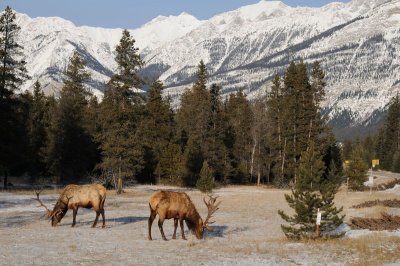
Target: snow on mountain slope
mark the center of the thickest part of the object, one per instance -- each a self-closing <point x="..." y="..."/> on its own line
<point x="49" y="42"/>
<point x="242" y="36"/>
<point x="358" y="47"/>
<point x="164" y="29"/>
<point x="358" y="44"/>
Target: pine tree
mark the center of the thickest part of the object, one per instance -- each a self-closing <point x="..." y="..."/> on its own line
<point x="194" y="115"/>
<point x="194" y="123"/>
<point x="92" y="114"/>
<point x="12" y="74"/>
<point x="129" y="62"/>
<point x="169" y="162"/>
<point x="155" y="130"/>
<point x="240" y="119"/>
<point x="12" y="69"/>
<point x="311" y="170"/>
<point x="71" y="152"/>
<point x="332" y="158"/>
<point x="356" y="171"/>
<point x="217" y="152"/>
<point x="206" y="181"/>
<point x="294" y="108"/>
<point x="120" y="116"/>
<point x="309" y="195"/>
<point x="347" y="149"/>
<point x="396" y="162"/>
<point x="390" y="137"/>
<point x="37" y="126"/>
<point x="277" y="139"/>
<point x="259" y="149"/>
<point x="318" y="83"/>
<point x="192" y="159"/>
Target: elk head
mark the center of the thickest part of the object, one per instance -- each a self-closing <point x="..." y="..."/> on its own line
<point x="212" y="208"/>
<point x="58" y="211"/>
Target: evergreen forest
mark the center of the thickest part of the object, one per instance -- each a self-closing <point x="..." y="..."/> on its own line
<point x="129" y="136"/>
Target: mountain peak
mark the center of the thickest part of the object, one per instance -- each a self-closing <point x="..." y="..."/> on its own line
<point x="185" y="14"/>
<point x="264" y="8"/>
<point x="181" y="18"/>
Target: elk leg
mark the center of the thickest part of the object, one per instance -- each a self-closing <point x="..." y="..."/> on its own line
<point x="97" y="218"/>
<point x="104" y="219"/>
<point x="182" y="229"/>
<point x="151" y="219"/>
<point x="175" y="227"/>
<point x="74" y="212"/>
<point x="160" y="225"/>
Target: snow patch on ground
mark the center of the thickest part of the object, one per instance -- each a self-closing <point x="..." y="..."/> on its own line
<point x="247" y="232"/>
<point x="395" y="189"/>
<point x="366" y="232"/>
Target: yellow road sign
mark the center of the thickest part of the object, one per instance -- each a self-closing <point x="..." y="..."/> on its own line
<point x="375" y="162"/>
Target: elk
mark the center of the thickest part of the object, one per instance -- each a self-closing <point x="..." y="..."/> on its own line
<point x="178" y="205"/>
<point x="75" y="196"/>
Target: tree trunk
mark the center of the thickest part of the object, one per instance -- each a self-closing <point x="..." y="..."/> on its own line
<point x="119" y="186"/>
<point x="259" y="165"/>
<point x="5" y="180"/>
<point x="295" y="152"/>
<point x="253" y="151"/>
<point x="309" y="134"/>
<point x="283" y="160"/>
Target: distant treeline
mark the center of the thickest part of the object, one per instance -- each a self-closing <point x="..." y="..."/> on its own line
<point x="131" y="136"/>
<point x="384" y="145"/>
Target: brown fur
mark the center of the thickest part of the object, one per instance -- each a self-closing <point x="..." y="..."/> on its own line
<point x="176" y="205"/>
<point x="76" y="196"/>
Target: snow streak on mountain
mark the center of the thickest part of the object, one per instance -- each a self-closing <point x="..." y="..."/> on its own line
<point x="358" y="44"/>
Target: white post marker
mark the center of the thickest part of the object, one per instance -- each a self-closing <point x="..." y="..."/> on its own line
<point x="318" y="217"/>
<point x="318" y="223"/>
<point x="371" y="182"/>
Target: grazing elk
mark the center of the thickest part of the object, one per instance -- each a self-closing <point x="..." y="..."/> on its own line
<point x="75" y="196"/>
<point x="178" y="205"/>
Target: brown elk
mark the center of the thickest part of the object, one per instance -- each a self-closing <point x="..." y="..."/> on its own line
<point x="75" y="196"/>
<point x="178" y="205"/>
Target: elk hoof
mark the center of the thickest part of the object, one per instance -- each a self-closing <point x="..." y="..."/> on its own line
<point x="165" y="239"/>
<point x="174" y="237"/>
<point x="103" y="226"/>
<point x="184" y="238"/>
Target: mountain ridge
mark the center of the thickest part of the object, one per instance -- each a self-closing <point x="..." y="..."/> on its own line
<point x="356" y="42"/>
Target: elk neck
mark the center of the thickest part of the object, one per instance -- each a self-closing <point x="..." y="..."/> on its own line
<point x="192" y="218"/>
<point x="61" y="205"/>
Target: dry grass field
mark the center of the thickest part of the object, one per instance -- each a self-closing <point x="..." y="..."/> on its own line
<point x="247" y="232"/>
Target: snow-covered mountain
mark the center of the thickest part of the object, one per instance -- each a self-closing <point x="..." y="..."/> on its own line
<point x="49" y="42"/>
<point x="358" y="44"/>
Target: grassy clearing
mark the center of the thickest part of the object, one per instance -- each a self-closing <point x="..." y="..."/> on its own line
<point x="247" y="232"/>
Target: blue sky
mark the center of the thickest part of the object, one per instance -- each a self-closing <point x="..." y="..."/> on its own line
<point x="131" y="13"/>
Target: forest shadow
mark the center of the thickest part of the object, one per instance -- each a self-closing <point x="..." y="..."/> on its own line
<point x="218" y="231"/>
<point x="18" y="220"/>
<point x="113" y="221"/>
<point x="127" y="220"/>
<point x="172" y="189"/>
